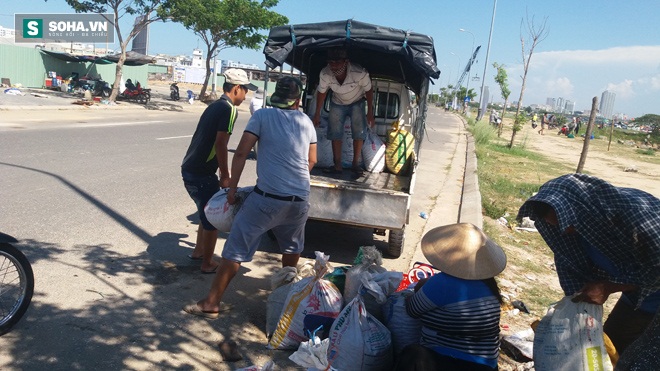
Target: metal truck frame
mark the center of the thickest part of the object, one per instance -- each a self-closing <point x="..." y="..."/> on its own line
<point x="401" y="64"/>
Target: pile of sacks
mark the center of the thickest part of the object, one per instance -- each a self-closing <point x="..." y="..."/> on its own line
<point x="341" y="319"/>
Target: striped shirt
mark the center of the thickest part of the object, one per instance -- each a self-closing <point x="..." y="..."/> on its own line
<point x="355" y="85"/>
<point x="622" y="225"/>
<point x="460" y="318"/>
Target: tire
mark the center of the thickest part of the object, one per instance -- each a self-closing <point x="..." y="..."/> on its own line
<point x="395" y="241"/>
<point x="16" y="286"/>
<point x="142" y="98"/>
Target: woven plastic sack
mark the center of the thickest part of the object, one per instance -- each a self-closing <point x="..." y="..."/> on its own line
<point x="373" y="153"/>
<point x="310" y="300"/>
<point x="220" y="213"/>
<point x="570" y="338"/>
<point x="405" y="329"/>
<point x="358" y="341"/>
<point x="400" y="147"/>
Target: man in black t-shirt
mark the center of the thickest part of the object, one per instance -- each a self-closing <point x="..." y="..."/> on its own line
<point x="207" y="154"/>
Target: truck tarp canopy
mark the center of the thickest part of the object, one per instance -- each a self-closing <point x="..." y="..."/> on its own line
<point x="385" y="52"/>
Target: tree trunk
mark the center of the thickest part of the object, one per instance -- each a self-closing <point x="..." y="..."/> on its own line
<point x="208" y="74"/>
<point x="587" y="135"/>
<point x="499" y="127"/>
<point x="118" y="74"/>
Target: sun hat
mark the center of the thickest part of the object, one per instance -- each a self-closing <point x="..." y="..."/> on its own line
<point x="287" y="90"/>
<point x="462" y="250"/>
<point x="237" y="76"/>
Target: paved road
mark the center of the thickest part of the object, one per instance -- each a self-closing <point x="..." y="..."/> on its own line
<point x="97" y="201"/>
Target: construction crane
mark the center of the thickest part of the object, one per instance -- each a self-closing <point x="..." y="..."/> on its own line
<point x="467" y="68"/>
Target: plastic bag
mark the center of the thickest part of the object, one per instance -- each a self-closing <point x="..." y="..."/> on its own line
<point x="368" y="260"/>
<point x="312" y="354"/>
<point x="310" y="301"/>
<point x="405" y="329"/>
<point x="373" y="153"/>
<point x="220" y="213"/>
<point x="358" y="341"/>
<point x="268" y="366"/>
<point x="570" y="337"/>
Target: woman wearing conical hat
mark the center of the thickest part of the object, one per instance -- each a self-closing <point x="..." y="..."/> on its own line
<point x="459" y="307"/>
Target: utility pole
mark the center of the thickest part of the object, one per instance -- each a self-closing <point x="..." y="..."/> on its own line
<point x="484" y="105"/>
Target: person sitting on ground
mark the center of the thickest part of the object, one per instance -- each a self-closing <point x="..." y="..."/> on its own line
<point x="351" y="86"/>
<point x="460" y="307"/>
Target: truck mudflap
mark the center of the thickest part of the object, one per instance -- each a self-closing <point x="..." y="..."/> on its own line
<point x="358" y="206"/>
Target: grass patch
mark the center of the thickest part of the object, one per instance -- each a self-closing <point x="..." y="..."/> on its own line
<point x="646" y="152"/>
<point x="509" y="176"/>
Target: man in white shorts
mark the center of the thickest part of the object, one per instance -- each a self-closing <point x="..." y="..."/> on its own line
<point x="351" y="86"/>
<point x="287" y="153"/>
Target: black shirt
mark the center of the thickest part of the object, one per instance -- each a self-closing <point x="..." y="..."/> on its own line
<point x="218" y="116"/>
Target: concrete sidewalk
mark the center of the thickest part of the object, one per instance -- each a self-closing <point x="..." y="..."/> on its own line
<point x="46" y="99"/>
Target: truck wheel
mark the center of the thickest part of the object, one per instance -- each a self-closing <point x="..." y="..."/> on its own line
<point x="395" y="242"/>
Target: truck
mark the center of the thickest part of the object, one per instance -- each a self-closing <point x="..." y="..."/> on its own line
<point x="401" y="65"/>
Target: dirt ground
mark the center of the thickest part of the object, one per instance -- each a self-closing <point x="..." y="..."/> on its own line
<point x="609" y="165"/>
<point x="621" y="165"/>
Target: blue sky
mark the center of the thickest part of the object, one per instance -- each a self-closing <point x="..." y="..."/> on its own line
<point x="591" y="45"/>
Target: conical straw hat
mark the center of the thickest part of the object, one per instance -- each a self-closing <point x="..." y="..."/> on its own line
<point x="462" y="250"/>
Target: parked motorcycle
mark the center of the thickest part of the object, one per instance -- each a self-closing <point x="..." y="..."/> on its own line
<point x="134" y="92"/>
<point x="16" y="283"/>
<point x="174" y="91"/>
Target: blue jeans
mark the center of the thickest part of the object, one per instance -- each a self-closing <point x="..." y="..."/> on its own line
<point x="337" y="117"/>
<point x="201" y="188"/>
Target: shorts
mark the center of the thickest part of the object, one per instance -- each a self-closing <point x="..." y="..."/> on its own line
<point x="259" y="214"/>
<point x="337" y="117"/>
<point x="201" y="188"/>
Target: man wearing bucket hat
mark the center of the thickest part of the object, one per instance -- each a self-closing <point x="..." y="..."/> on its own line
<point x="605" y="239"/>
<point x="207" y="154"/>
<point x="459" y="307"/>
<point x="287" y="153"/>
<point x="351" y="86"/>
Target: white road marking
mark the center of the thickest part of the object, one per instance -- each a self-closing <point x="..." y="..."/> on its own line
<point x="118" y="124"/>
<point x="179" y="137"/>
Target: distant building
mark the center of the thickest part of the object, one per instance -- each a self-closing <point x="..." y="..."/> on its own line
<point x="141" y="40"/>
<point x="559" y="107"/>
<point x="551" y="102"/>
<point x="607" y="104"/>
<point x="7" y="32"/>
<point x="569" y="107"/>
<point x="198" y="59"/>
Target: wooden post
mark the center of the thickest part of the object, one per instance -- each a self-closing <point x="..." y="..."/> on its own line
<point x="587" y="135"/>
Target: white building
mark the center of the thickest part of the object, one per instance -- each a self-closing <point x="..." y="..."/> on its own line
<point x="607" y="104"/>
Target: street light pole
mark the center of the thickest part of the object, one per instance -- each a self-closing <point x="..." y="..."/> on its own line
<point x="458" y="70"/>
<point x="482" y="108"/>
<point x="467" y="84"/>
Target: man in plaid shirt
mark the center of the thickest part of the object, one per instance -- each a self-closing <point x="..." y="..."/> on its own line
<point x="605" y="239"/>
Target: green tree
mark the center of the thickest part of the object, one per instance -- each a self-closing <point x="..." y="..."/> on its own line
<point x="532" y="36"/>
<point x="501" y="79"/>
<point x="146" y="12"/>
<point x="654" y="122"/>
<point x="227" y="23"/>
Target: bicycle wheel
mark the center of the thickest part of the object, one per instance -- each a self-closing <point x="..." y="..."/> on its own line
<point x="16" y="286"/>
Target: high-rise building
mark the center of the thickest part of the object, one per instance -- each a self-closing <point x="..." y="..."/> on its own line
<point x="559" y="107"/>
<point x="569" y="107"/>
<point x="141" y="40"/>
<point x="607" y="104"/>
<point x="551" y="102"/>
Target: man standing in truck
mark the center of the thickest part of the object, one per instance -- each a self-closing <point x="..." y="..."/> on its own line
<point x="351" y="87"/>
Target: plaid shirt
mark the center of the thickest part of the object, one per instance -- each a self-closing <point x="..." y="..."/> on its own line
<point x="623" y="224"/>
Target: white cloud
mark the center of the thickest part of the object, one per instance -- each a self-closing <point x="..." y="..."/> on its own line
<point x="560" y="87"/>
<point x="631" y="72"/>
<point x="623" y="90"/>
